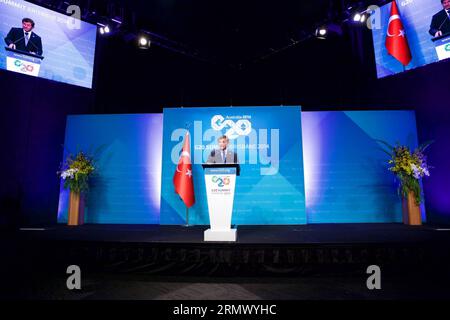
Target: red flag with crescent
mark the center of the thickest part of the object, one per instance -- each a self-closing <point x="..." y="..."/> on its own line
<point x="396" y="41"/>
<point x="182" y="179"/>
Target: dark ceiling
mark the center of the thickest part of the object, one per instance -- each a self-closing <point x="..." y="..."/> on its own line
<point x="230" y="32"/>
<point x="233" y="31"/>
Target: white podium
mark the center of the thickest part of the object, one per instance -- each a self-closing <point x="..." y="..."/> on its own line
<point x="23" y="62"/>
<point x="442" y="46"/>
<point x="220" y="180"/>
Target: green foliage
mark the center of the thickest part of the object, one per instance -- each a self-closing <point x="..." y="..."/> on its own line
<point x="408" y="166"/>
<point x="77" y="171"/>
<point x="409" y="184"/>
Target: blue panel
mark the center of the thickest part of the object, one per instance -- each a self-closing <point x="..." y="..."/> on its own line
<point x="270" y="189"/>
<point x="127" y="186"/>
<point x="346" y="176"/>
<point x="345" y="173"/>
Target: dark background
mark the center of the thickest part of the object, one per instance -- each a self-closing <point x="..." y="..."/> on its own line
<point x="239" y="61"/>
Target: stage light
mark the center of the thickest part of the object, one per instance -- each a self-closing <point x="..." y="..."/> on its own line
<point x="328" y="30"/>
<point x="104" y="29"/>
<point x="143" y="42"/>
<point x="321" y="32"/>
<point x="360" y="17"/>
<point x="357" y="17"/>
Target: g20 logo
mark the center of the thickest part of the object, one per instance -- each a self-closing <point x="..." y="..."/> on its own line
<point x="221" y="181"/>
<point x="242" y="127"/>
<point x="447" y="47"/>
<point x="23" y="67"/>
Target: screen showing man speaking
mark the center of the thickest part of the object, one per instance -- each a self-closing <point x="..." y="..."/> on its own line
<point x="42" y="43"/>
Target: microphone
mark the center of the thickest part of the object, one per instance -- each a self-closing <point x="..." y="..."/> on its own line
<point x="35" y="46"/>
<point x="29" y="41"/>
<point x="443" y="21"/>
<point x="14" y="42"/>
<point x="23" y="37"/>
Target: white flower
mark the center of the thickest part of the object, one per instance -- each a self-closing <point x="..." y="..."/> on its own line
<point x="416" y="171"/>
<point x="69" y="173"/>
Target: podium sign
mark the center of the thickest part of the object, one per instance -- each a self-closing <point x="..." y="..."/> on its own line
<point x="220" y="183"/>
<point x="442" y="45"/>
<point x="23" y="63"/>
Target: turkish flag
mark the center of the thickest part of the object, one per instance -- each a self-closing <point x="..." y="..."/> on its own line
<point x="396" y="42"/>
<point x="182" y="179"/>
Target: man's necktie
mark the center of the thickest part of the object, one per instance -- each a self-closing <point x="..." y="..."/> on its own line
<point x="224" y="158"/>
<point x="26" y="38"/>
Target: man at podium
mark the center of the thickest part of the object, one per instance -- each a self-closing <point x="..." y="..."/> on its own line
<point x="223" y="154"/>
<point x="440" y="24"/>
<point x="221" y="170"/>
<point x="24" y="39"/>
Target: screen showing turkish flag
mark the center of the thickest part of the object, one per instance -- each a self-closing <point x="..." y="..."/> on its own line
<point x="408" y="34"/>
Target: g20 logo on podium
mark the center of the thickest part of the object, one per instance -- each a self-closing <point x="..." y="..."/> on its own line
<point x="221" y="181"/>
<point x="23" y="67"/>
<point x="242" y="127"/>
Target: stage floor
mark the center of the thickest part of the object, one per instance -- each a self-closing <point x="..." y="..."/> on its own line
<point x="261" y="251"/>
<point x="287" y="234"/>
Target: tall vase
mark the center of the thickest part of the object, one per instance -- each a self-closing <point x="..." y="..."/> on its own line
<point x="76" y="209"/>
<point x="411" y="211"/>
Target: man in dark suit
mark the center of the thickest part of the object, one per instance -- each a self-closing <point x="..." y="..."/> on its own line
<point x="24" y="38"/>
<point x="223" y="154"/>
<point x="440" y="24"/>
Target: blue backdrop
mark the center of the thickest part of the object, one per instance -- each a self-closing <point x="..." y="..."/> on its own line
<point x="127" y="187"/>
<point x="68" y="53"/>
<point x="416" y="18"/>
<point x="268" y="142"/>
<point x="345" y="174"/>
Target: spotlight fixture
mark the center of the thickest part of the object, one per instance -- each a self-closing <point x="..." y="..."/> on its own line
<point x="357" y="17"/>
<point x="104" y="29"/>
<point x="360" y="17"/>
<point x="143" y="42"/>
<point x="321" y="32"/>
<point x="328" y="30"/>
<point x="363" y="18"/>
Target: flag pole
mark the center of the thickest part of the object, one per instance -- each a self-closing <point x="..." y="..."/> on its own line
<point x="188" y="125"/>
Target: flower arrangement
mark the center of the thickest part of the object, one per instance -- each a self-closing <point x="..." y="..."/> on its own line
<point x="409" y="167"/>
<point x="76" y="172"/>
